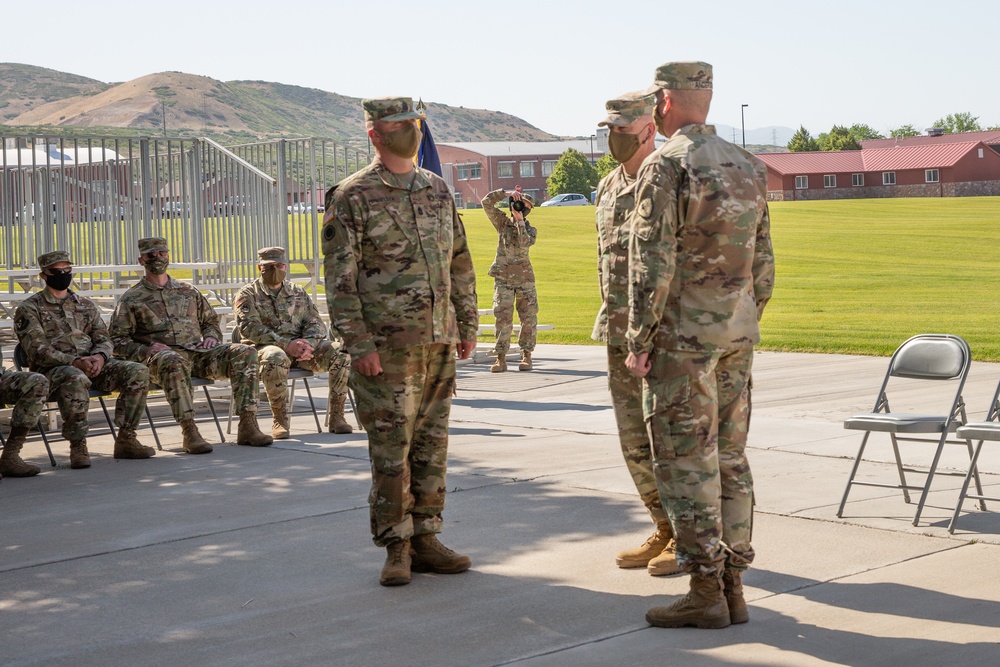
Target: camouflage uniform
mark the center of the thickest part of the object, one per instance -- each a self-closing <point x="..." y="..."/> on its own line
<point x="400" y="282"/>
<point x="513" y="277"/>
<point x="271" y="319"/>
<point x="27" y="393"/>
<point x="56" y="332"/>
<point x="179" y="316"/>
<point x="615" y="201"/>
<point x="701" y="271"/>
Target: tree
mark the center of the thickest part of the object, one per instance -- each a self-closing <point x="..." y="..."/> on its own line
<point x="802" y="141"/>
<point x="572" y="173"/>
<point x="605" y="165"/>
<point x="839" y="138"/>
<point x="962" y="121"/>
<point x="862" y="132"/>
<point x="904" y="131"/>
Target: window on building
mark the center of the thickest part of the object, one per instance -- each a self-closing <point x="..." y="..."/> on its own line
<point x="829" y="180"/>
<point x="505" y="169"/>
<point x="888" y="178"/>
<point x="534" y="195"/>
<point x="801" y="182"/>
<point x="468" y="172"/>
<point x="857" y="180"/>
<point x="527" y="169"/>
<point x="547" y="167"/>
<point x="931" y="175"/>
<point x="458" y="200"/>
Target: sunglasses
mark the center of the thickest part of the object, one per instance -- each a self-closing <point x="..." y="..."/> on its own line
<point x="57" y="272"/>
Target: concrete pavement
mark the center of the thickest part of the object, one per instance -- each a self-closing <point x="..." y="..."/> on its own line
<point x="263" y="556"/>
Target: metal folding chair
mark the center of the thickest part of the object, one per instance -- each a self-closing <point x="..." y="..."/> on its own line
<point x="196" y="381"/>
<point x="930" y="357"/>
<point x="21" y="364"/>
<point x="987" y="431"/>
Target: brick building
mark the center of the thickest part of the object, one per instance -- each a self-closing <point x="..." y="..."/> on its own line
<point x="942" y="165"/>
<point x="473" y="169"/>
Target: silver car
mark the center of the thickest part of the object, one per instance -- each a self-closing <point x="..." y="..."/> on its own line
<point x="567" y="199"/>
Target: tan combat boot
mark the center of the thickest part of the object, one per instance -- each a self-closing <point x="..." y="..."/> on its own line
<point x="500" y="365"/>
<point x="249" y="434"/>
<point x="127" y="446"/>
<point x="79" y="457"/>
<point x="337" y="422"/>
<point x="396" y="571"/>
<point x="11" y="464"/>
<point x="193" y="442"/>
<point x="732" y="582"/>
<point x="703" y="607"/>
<point x="640" y="556"/>
<point x="665" y="563"/>
<point x="281" y="423"/>
<point x="525" y="364"/>
<point x="429" y="555"/>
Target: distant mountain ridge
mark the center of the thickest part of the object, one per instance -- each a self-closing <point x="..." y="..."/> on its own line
<point x="35" y="98"/>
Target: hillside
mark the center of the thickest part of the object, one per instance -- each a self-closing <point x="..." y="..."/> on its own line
<point x="196" y="105"/>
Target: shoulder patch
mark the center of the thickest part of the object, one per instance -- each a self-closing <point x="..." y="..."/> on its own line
<point x="328" y="233"/>
<point x="645" y="208"/>
<point x="22" y="323"/>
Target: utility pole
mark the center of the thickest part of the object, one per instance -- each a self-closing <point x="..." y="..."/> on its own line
<point x="163" y="113"/>
<point x="743" y="123"/>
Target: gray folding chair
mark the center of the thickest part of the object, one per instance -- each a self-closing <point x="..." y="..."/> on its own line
<point x="196" y="381"/>
<point x="988" y="430"/>
<point x="935" y="358"/>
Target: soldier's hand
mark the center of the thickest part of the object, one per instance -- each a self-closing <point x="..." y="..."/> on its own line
<point x="370" y="364"/>
<point x="296" y="348"/>
<point x="465" y="348"/>
<point x="97" y="364"/>
<point x="638" y="364"/>
<point x="83" y="363"/>
<point x="207" y="343"/>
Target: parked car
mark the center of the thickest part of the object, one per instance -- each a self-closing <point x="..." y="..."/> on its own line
<point x="567" y="199"/>
<point x="300" y="207"/>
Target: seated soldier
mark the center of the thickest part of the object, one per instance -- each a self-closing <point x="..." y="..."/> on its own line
<point x="65" y="339"/>
<point x="27" y="393"/>
<point x="172" y="328"/>
<point x="279" y="318"/>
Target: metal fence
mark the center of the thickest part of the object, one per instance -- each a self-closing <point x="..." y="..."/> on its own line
<point x="96" y="196"/>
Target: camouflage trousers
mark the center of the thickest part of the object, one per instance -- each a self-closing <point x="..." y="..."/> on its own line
<point x="172" y="370"/>
<point x="505" y="298"/>
<point x="626" y="398"/>
<point x="328" y="357"/>
<point x="697" y="410"/>
<point x="27" y="392"/>
<point x="405" y="412"/>
<point x="70" y="388"/>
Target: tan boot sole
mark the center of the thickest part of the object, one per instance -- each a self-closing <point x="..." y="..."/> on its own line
<point x="631" y="563"/>
<point x="687" y="620"/>
<point x="663" y="569"/>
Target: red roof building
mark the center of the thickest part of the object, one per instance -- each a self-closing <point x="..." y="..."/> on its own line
<point x="951" y="165"/>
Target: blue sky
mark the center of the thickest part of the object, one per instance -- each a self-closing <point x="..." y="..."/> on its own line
<point x="552" y="63"/>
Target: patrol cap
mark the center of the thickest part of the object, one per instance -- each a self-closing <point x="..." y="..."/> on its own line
<point x="152" y="243"/>
<point x="628" y="108"/>
<point x="528" y="198"/>
<point x="273" y="255"/>
<point x="390" y="109"/>
<point x="689" y="75"/>
<point x="54" y="257"/>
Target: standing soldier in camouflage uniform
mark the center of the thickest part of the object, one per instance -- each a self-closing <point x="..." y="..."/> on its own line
<point x="279" y="318"/>
<point x="401" y="292"/>
<point x="27" y="393"/>
<point x="65" y="339"/>
<point x="702" y="270"/>
<point x="172" y="328"/>
<point x="631" y="135"/>
<point x="513" y="277"/>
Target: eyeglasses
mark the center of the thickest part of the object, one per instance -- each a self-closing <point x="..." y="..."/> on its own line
<point x="57" y="272"/>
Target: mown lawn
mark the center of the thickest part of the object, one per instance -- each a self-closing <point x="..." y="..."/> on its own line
<point x="855" y="277"/>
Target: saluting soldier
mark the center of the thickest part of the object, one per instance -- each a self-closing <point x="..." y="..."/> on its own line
<point x="66" y="340"/>
<point x="281" y="320"/>
<point x="401" y="292"/>
<point x="702" y="270"/>
<point x="172" y="328"/>
<point x="631" y="138"/>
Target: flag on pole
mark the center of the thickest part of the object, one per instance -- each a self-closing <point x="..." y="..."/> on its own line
<point x="427" y="155"/>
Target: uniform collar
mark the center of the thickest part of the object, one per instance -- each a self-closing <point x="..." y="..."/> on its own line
<point x="48" y="297"/>
<point x="171" y="284"/>
<point x="413" y="181"/>
<point x="285" y="288"/>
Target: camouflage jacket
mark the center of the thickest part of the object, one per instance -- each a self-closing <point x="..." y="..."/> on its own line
<point x="615" y="201"/>
<point x="277" y="317"/>
<point x="511" y="265"/>
<point x="177" y="315"/>
<point x="397" y="265"/>
<point x="57" y="332"/>
<point x="701" y="263"/>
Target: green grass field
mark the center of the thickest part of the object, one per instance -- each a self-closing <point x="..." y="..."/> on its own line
<point x="854" y="277"/>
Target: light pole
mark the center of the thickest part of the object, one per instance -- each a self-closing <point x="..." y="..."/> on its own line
<point x="592" y="137"/>
<point x="743" y="123"/>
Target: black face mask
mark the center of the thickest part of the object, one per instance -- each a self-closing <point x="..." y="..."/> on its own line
<point x="59" y="281"/>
